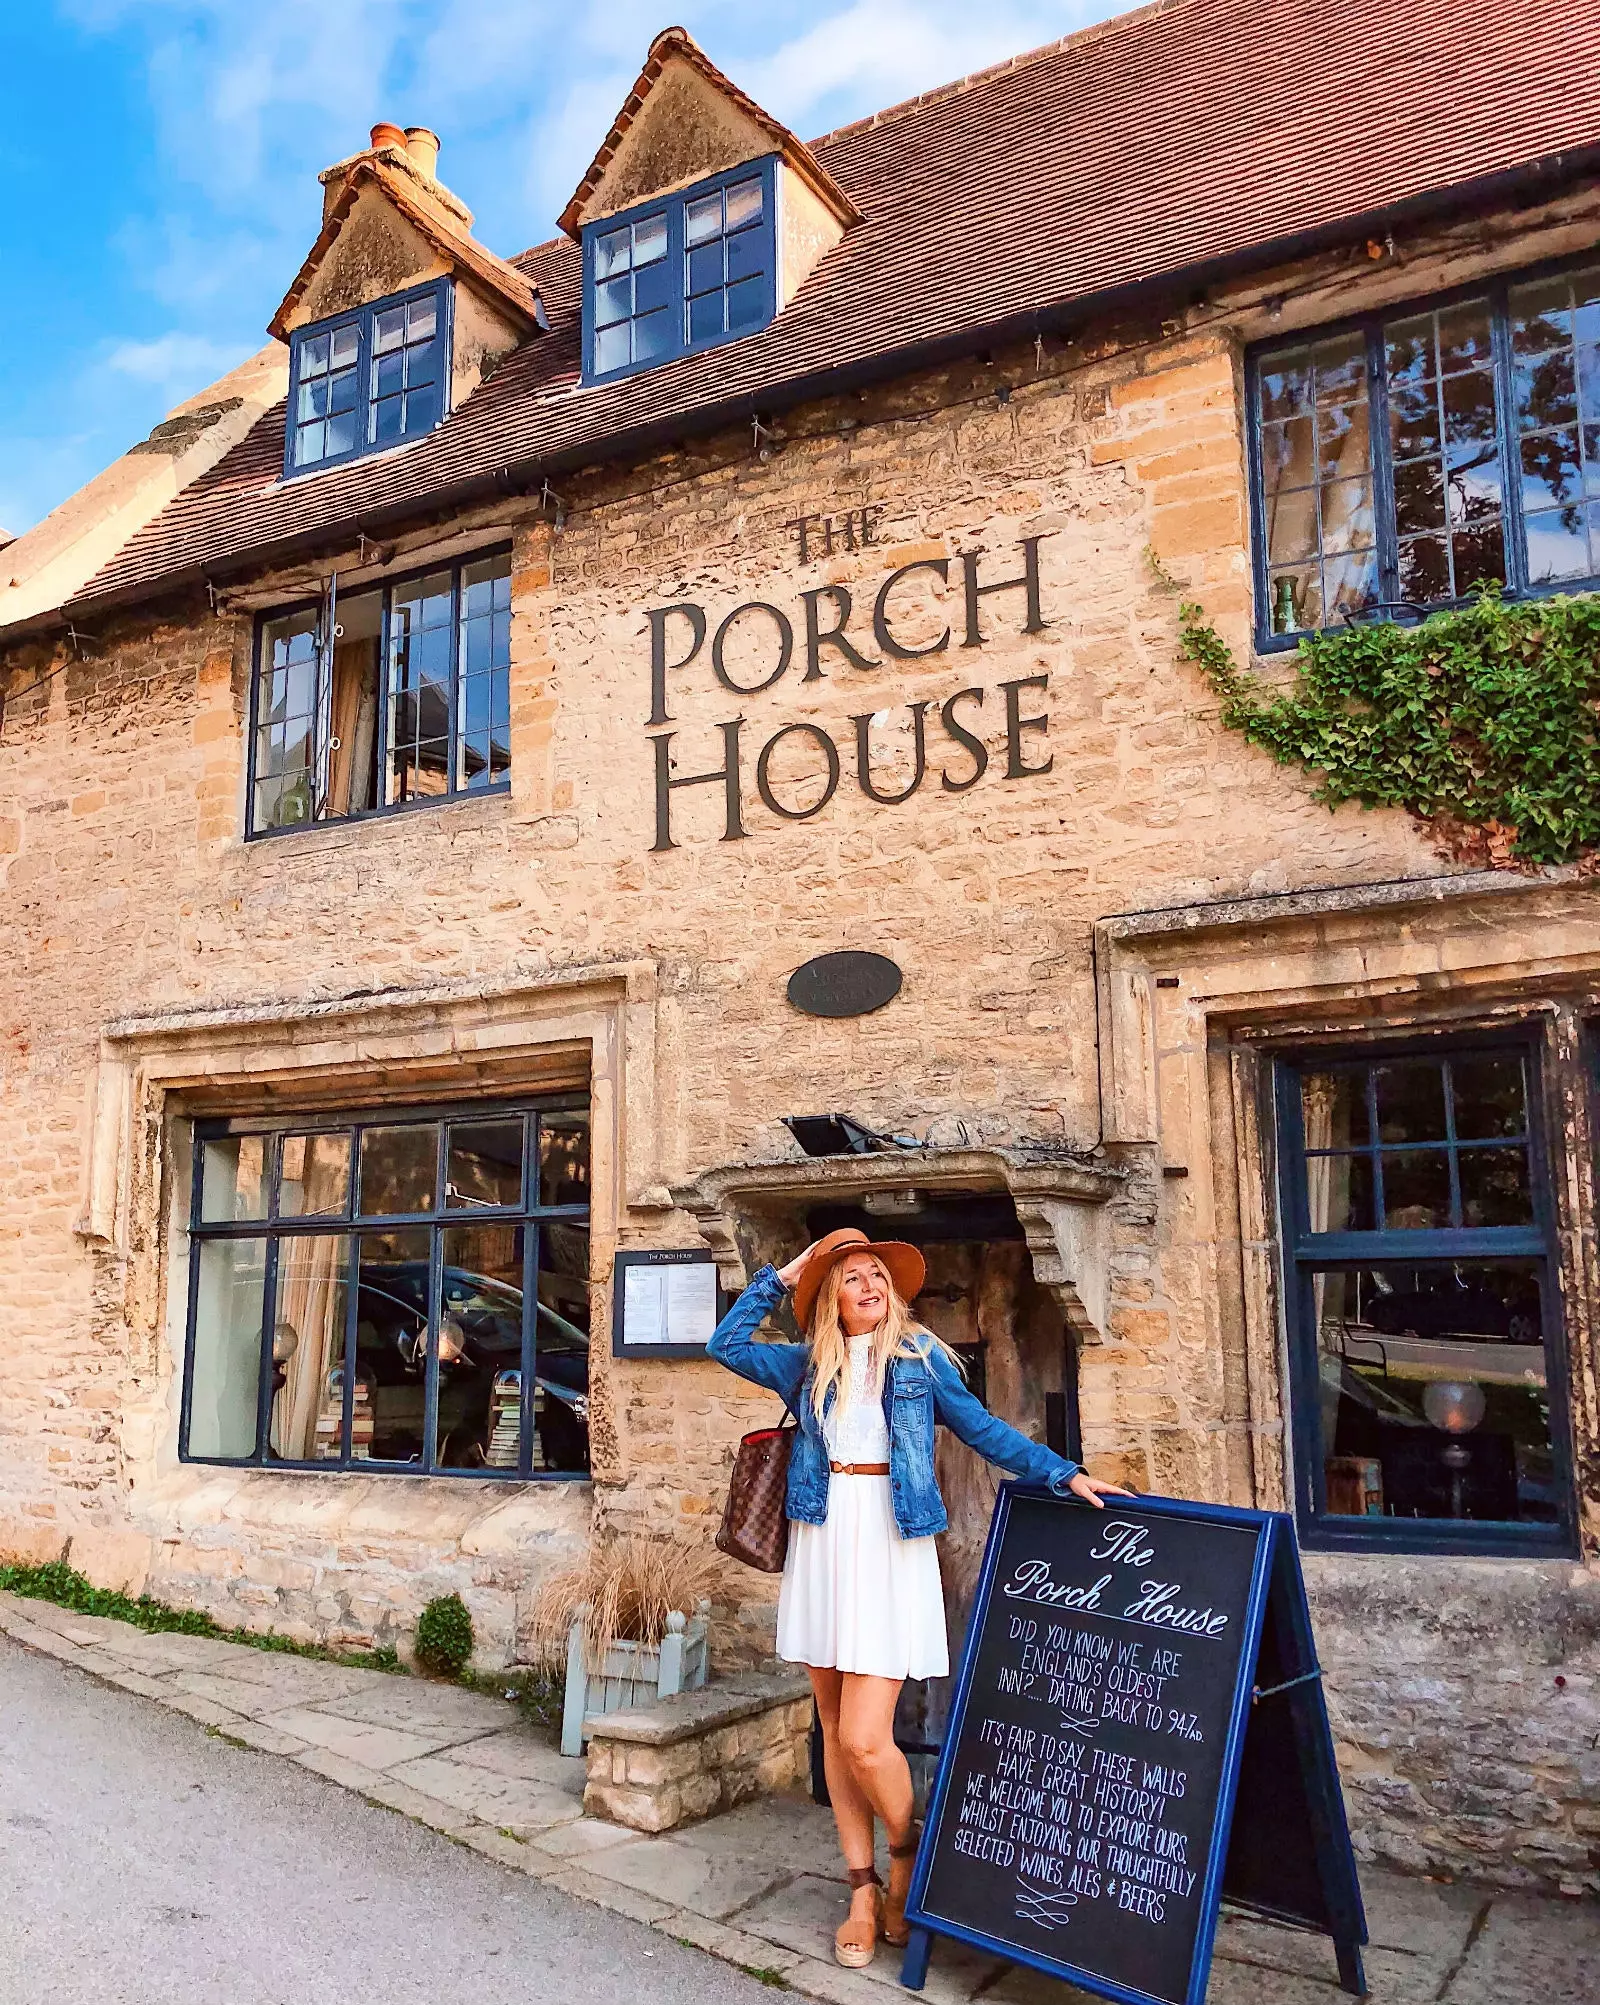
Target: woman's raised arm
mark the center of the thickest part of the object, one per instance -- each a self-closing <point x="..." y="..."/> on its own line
<point x="1000" y="1443"/>
<point x="779" y="1367"/>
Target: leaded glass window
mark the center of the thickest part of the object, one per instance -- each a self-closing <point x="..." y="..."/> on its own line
<point x="379" y="698"/>
<point x="370" y="379"/>
<point x="677" y="276"/>
<point x="1402" y="463"/>
<point x="400" y="1290"/>
<point x="1426" y="1385"/>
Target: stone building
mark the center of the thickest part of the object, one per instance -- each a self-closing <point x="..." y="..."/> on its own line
<point x="428" y="758"/>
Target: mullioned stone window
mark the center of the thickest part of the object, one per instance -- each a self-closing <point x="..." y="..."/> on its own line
<point x="394" y="1290"/>
<point x="1427" y="1386"/>
<point x="1402" y="461"/>
<point x="384" y="698"/>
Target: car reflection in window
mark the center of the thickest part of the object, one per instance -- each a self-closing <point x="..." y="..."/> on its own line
<point x="480" y="1354"/>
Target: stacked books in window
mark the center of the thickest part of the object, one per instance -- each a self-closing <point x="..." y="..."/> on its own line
<point x="330" y="1418"/>
<point x="505" y="1421"/>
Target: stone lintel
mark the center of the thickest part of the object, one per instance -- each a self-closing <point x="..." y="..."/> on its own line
<point x="746" y="1211"/>
<point x="687" y="1715"/>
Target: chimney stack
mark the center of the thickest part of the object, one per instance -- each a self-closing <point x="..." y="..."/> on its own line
<point x="423" y="148"/>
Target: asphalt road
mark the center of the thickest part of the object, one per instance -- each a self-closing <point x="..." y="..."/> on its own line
<point x="144" y="1863"/>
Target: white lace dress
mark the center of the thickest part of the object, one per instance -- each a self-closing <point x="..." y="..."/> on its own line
<point x="856" y="1596"/>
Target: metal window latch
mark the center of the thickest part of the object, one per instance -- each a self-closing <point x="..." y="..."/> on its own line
<point x="548" y="498"/>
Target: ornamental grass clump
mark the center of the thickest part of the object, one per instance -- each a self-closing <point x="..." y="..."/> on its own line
<point x="629" y="1586"/>
<point x="1484" y="722"/>
<point x="444" y="1636"/>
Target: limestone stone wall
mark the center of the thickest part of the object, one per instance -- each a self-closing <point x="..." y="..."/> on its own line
<point x="135" y="911"/>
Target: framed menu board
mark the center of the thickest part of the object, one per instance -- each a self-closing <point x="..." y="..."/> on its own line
<point x="665" y="1303"/>
<point x="1137" y="1732"/>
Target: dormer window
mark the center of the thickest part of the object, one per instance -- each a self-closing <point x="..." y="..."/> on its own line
<point x="368" y="379"/>
<point x="671" y="278"/>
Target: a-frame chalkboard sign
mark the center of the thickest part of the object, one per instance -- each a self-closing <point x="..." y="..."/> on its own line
<point x="1137" y="1733"/>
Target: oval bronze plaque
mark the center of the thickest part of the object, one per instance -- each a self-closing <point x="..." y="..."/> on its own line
<point x="844" y="984"/>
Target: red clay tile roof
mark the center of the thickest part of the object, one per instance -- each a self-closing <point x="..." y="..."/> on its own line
<point x="467" y="257"/>
<point x="679" y="42"/>
<point x="1167" y="142"/>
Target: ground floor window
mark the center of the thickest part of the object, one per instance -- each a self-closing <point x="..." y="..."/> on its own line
<point x="1427" y="1386"/>
<point x="401" y="1290"/>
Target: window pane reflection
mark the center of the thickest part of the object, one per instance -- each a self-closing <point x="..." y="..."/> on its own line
<point x="398" y="1169"/>
<point x="233" y="1179"/>
<point x="1433" y="1400"/>
<point x="391" y="1346"/>
<point x="484" y="1163"/>
<point x="225" y="1378"/>
<point x="308" y="1348"/>
<point x="561" y="1367"/>
<point x="314" y="1181"/>
<point x="564" y="1157"/>
<point x="1423" y="1175"/>
<point x="480" y="1348"/>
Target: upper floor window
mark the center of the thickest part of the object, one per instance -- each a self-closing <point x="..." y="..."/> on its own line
<point x="376" y="699"/>
<point x="675" y="276"/>
<point x="368" y="379"/>
<point x="1403" y="460"/>
<point x="402" y="1290"/>
<point x="1426" y="1391"/>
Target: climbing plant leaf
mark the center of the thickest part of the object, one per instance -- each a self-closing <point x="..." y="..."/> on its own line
<point x="1485" y="718"/>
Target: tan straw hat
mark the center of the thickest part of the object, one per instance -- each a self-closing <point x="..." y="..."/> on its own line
<point x="906" y="1267"/>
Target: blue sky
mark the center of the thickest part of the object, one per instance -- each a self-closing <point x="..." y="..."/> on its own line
<point x="160" y="158"/>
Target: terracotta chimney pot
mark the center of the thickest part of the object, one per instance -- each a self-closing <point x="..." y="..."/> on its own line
<point x="423" y="147"/>
<point x="385" y="134"/>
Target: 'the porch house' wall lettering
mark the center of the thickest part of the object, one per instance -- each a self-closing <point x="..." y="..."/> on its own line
<point x="679" y="639"/>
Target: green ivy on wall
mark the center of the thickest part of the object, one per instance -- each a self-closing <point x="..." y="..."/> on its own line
<point x="1484" y="723"/>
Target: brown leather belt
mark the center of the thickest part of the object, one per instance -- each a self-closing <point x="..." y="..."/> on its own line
<point x="859" y="1468"/>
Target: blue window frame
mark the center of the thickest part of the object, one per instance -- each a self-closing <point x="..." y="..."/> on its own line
<point x="1400" y="460"/>
<point x="402" y="1290"/>
<point x="385" y="698"/>
<point x="1427" y="1393"/>
<point x="369" y="379"/>
<point x="673" y="277"/>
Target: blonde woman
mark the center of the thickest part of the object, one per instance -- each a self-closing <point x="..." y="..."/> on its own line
<point x="861" y="1604"/>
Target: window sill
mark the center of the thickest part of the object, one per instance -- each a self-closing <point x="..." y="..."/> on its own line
<point x="1575" y="588"/>
<point x="484" y="797"/>
<point x="1396" y="1538"/>
<point x="541" y="1479"/>
<point x="293" y="476"/>
<point x="245" y="1501"/>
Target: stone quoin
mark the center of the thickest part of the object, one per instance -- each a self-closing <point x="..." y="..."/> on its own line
<point x="426" y="760"/>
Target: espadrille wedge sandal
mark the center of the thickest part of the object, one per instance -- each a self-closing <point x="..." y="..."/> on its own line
<point x="855" y="1942"/>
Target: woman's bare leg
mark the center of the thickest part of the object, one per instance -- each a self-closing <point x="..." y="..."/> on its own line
<point x="880" y="1771"/>
<point x="852" y="1812"/>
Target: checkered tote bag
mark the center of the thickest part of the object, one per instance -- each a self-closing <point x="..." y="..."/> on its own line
<point x="755" y="1526"/>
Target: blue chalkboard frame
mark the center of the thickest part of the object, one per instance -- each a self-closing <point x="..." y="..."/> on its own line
<point x="1275" y="1540"/>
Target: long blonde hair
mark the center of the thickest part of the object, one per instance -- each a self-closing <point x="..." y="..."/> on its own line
<point x="899" y="1335"/>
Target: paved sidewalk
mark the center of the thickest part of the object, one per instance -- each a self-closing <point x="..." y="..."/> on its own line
<point x="760" y="1887"/>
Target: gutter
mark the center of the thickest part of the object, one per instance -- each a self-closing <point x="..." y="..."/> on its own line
<point x="526" y="476"/>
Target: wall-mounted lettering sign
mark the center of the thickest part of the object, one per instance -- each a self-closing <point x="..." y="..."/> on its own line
<point x="825" y="535"/>
<point x="753" y="647"/>
<point x="665" y="1303"/>
<point x="849" y="983"/>
<point x="1138" y="1732"/>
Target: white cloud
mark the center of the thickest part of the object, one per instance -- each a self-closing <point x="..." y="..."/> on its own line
<point x="877" y="52"/>
<point x="176" y="365"/>
<point x="251" y="98"/>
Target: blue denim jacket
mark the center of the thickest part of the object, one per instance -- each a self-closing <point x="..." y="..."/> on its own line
<point x="916" y="1393"/>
